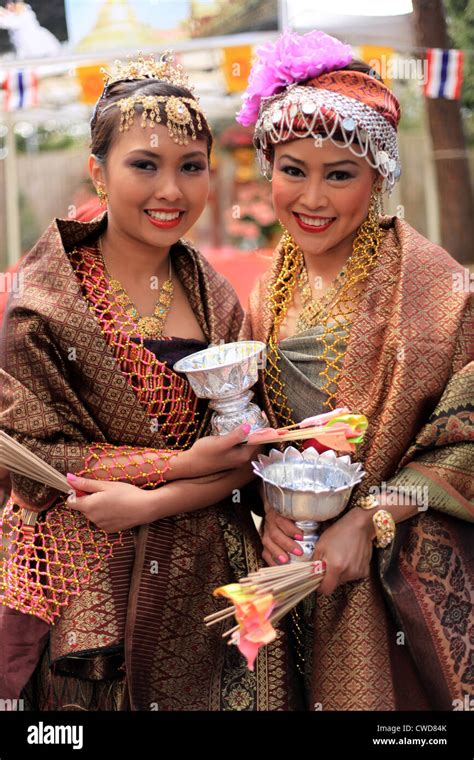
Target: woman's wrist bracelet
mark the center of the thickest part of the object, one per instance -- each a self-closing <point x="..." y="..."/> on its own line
<point x="383" y="522"/>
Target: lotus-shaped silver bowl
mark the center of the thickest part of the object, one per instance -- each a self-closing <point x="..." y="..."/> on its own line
<point x="224" y="374"/>
<point x="307" y="487"/>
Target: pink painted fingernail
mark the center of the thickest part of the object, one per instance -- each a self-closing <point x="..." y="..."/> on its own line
<point x="282" y="558"/>
<point x="298" y="551"/>
<point x="245" y="427"/>
<point x="298" y="536"/>
<point x="71" y="476"/>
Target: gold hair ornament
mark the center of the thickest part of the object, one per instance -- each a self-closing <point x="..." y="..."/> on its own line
<point x="178" y="114"/>
<point x="165" y="70"/>
<point x="179" y="119"/>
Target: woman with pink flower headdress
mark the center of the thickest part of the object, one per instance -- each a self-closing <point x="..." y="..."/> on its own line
<point x="360" y="310"/>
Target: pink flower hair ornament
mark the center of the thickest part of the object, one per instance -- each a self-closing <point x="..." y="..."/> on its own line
<point x="290" y="59"/>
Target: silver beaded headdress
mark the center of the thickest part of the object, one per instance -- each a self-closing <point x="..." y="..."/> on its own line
<point x="299" y="87"/>
<point x="304" y="111"/>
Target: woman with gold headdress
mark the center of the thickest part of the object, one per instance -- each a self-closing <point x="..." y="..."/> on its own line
<point x="360" y="310"/>
<point x="90" y="619"/>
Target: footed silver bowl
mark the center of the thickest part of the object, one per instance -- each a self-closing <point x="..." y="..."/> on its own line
<point x="307" y="487"/>
<point x="224" y="374"/>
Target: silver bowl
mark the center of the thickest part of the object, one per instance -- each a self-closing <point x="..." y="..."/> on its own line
<point x="224" y="374"/>
<point x="307" y="487"/>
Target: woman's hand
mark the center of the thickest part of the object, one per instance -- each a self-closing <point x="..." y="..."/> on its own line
<point x="116" y="506"/>
<point x="109" y="505"/>
<point x="346" y="546"/>
<point x="278" y="535"/>
<point x="217" y="453"/>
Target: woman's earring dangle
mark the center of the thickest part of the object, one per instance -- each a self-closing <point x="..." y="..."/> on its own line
<point x="102" y="195"/>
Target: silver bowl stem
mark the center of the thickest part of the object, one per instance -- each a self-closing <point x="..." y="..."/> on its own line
<point x="309" y="530"/>
<point x="231" y="412"/>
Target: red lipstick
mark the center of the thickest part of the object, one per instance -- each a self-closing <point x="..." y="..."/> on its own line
<point x="311" y="227"/>
<point x="165" y="224"/>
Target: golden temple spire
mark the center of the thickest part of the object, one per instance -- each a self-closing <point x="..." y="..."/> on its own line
<point x="117" y="26"/>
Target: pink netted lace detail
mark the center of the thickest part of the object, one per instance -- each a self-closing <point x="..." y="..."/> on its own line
<point x="48" y="563"/>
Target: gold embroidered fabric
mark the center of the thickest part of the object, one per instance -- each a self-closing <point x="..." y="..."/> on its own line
<point x="412" y="337"/>
<point x="195" y="552"/>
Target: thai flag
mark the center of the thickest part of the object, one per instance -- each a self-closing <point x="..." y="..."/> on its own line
<point x="445" y="69"/>
<point x="20" y="89"/>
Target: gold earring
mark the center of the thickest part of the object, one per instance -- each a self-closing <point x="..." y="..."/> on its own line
<point x="102" y="195"/>
<point x="380" y="202"/>
<point x="376" y="202"/>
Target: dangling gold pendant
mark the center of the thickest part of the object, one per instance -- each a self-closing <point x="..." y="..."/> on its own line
<point x="150" y="327"/>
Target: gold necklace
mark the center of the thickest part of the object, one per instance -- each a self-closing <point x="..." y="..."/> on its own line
<point x="313" y="307"/>
<point x="152" y="326"/>
<point x="336" y="310"/>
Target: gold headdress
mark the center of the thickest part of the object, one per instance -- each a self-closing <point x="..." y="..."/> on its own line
<point x="179" y="117"/>
<point x="147" y="68"/>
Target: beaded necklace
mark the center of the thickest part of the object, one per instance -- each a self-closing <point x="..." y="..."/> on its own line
<point x="336" y="310"/>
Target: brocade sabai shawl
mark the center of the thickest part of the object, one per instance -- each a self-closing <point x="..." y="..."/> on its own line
<point x="127" y="620"/>
<point x="409" y="367"/>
